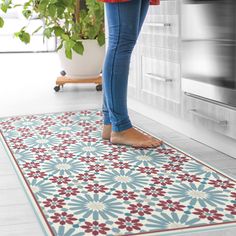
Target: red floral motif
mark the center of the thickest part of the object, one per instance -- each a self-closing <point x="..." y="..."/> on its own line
<point x="152" y="191"/>
<point x="63" y="218"/>
<point x="16" y="118"/>
<point x="68" y="191"/>
<point x="231" y="208"/>
<point x="97" y="167"/>
<point x="220" y="183"/>
<point x="16" y="141"/>
<point x="82" y="133"/>
<point x="69" y="113"/>
<point x="31" y="165"/>
<point x="233" y="194"/>
<point x="140" y="209"/>
<point x="162" y="180"/>
<point x="45" y="133"/>
<point x="85" y="124"/>
<point x="69" y="141"/>
<point x="95" y="228"/>
<point x="63" y="136"/>
<point x="119" y="149"/>
<point x="148" y="170"/>
<point x="170" y="205"/>
<point x="7" y="127"/>
<point x="54" y="203"/>
<point x="19" y="146"/>
<point x="86" y="177"/>
<point x="66" y="155"/>
<point x="188" y="177"/>
<point x="96" y="188"/>
<point x="63" y="117"/>
<point x="129" y="224"/>
<point x="37" y="174"/>
<point x="23" y="130"/>
<point x="89" y="139"/>
<point x="125" y="195"/>
<point x="59" y="148"/>
<point x="98" y="122"/>
<point x="172" y="168"/>
<point x="110" y="157"/>
<point x="88" y="159"/>
<point x="49" y="123"/>
<point x="165" y="150"/>
<point x="67" y="122"/>
<point x="90" y="128"/>
<point x="38" y="150"/>
<point x="179" y="159"/>
<point x="121" y="165"/>
<point x="85" y="112"/>
<point x="41" y="128"/>
<point x="43" y="157"/>
<point x="60" y="179"/>
<point x="211" y="215"/>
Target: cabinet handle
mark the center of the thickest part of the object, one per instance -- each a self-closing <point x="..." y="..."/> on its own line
<point x="159" y="24"/>
<point x="156" y="77"/>
<point x="219" y="122"/>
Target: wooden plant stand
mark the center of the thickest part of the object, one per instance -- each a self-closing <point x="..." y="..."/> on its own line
<point x="63" y="79"/>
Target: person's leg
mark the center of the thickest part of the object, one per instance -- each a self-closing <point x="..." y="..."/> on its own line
<point x="124" y="24"/>
<point x="123" y="27"/>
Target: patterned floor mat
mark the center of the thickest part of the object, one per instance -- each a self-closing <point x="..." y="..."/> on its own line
<point x="79" y="184"/>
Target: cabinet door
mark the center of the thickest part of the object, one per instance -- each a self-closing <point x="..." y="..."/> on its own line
<point x="210" y="115"/>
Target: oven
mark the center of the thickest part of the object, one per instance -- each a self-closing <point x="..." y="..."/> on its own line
<point x="208" y="49"/>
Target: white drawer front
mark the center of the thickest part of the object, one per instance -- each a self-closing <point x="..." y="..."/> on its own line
<point x="162" y="41"/>
<point x="160" y="78"/>
<point x="209" y="115"/>
<point x="158" y="53"/>
<point x="161" y="24"/>
<point x="165" y="8"/>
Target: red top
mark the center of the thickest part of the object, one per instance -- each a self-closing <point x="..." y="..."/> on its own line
<point x="152" y="2"/>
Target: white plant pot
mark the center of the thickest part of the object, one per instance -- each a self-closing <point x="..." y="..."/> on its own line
<point x="84" y="66"/>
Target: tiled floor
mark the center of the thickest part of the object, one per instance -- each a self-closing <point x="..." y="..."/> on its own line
<point x="27" y="82"/>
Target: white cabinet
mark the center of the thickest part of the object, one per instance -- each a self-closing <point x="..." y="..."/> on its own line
<point x="209" y="115"/>
<point x="156" y="59"/>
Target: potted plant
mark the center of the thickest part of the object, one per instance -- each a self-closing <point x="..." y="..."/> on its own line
<point x="77" y="24"/>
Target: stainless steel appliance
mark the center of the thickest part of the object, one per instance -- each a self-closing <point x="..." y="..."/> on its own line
<point x="208" y="47"/>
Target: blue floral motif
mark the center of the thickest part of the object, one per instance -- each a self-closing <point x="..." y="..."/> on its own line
<point x="200" y="170"/>
<point x="65" y="129"/>
<point x="97" y="206"/>
<point x="23" y="156"/>
<point x="145" y="157"/>
<point x="193" y="194"/>
<point x="123" y="179"/>
<point x="39" y="141"/>
<point x="171" y="221"/>
<point x="42" y="189"/>
<point x="24" y="122"/>
<point x="89" y="149"/>
<point x="62" y="166"/>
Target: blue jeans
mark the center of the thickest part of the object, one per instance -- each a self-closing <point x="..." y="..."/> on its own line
<point x="124" y="21"/>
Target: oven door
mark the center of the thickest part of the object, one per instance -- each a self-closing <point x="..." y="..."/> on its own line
<point x="209" y="49"/>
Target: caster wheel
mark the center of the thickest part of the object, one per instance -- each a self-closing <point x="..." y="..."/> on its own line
<point x="57" y="88"/>
<point x="99" y="87"/>
<point x="63" y="73"/>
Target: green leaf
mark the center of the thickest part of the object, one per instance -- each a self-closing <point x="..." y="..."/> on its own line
<point x="52" y="10"/>
<point x="79" y="48"/>
<point x="101" y="38"/>
<point x="47" y="32"/>
<point x="58" y="31"/>
<point x="23" y="36"/>
<point x="68" y="48"/>
<point x="1" y="22"/>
